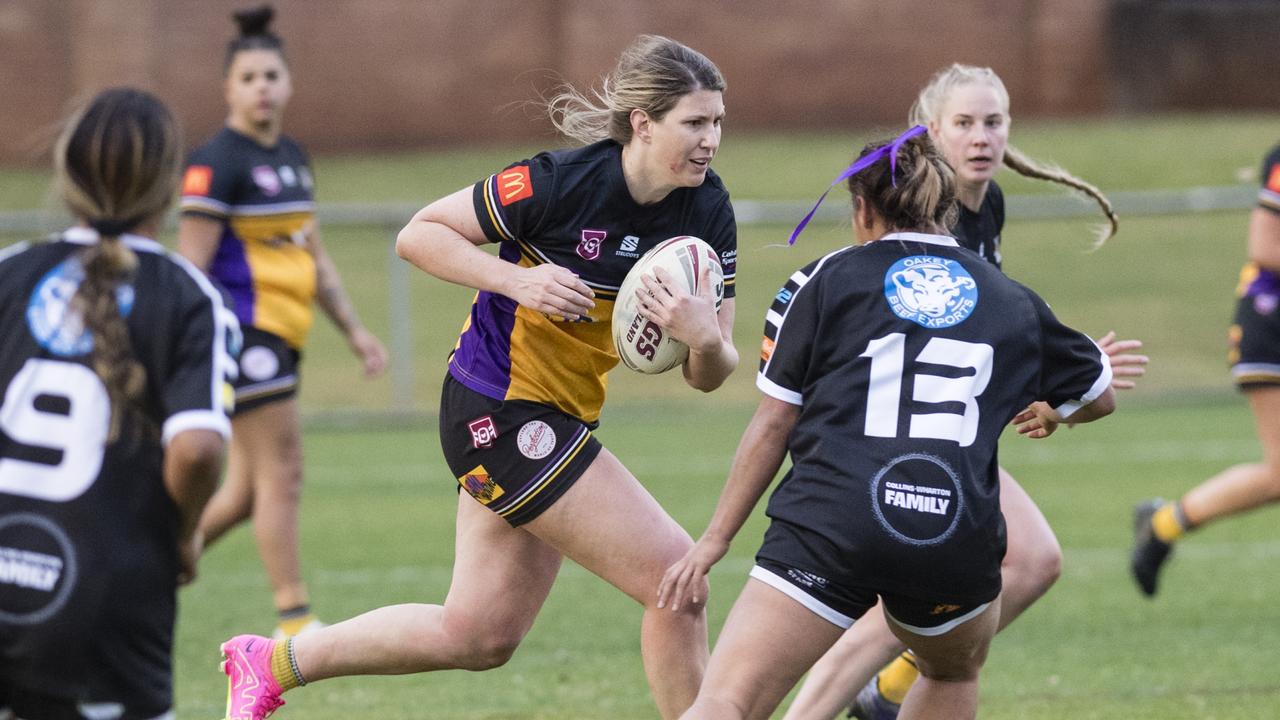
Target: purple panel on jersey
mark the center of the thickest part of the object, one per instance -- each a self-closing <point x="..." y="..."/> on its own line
<point x="482" y="361"/>
<point x="231" y="269"/>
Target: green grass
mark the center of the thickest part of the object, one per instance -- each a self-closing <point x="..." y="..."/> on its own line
<point x="378" y="508"/>
<point x="378" y="529"/>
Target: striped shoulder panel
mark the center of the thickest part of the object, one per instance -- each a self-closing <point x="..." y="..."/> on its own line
<point x="777" y="313"/>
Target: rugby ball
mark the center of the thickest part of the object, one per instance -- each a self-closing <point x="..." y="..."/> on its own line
<point x="643" y="345"/>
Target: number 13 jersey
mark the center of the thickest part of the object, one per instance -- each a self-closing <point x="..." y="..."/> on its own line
<point x="908" y="356"/>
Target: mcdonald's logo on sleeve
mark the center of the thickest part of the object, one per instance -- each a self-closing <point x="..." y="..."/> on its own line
<point x="514" y="185"/>
<point x="1273" y="180"/>
<point x="197" y="180"/>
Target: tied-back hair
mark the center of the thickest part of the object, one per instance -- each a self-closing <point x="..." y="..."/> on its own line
<point x="652" y="74"/>
<point x="255" y="34"/>
<point x="919" y="195"/>
<point x="928" y="108"/>
<point x="116" y="166"/>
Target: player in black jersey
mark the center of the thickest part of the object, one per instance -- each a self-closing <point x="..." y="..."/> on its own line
<point x="967" y="112"/>
<point x="248" y="220"/>
<point x="115" y="371"/>
<point x="526" y="382"/>
<point x="889" y="371"/>
<point x="1255" y="364"/>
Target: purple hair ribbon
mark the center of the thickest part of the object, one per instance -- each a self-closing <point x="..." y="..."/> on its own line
<point x="862" y="163"/>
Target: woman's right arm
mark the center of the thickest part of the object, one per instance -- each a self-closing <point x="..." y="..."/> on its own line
<point x="443" y="240"/>
<point x="198" y="239"/>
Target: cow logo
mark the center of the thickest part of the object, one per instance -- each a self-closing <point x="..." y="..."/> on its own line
<point x="265" y="177"/>
<point x="536" y="440"/>
<point x="54" y="322"/>
<point x="589" y="247"/>
<point x="480" y="485"/>
<point x="483" y="432"/>
<point x="916" y="498"/>
<point x="514" y="185"/>
<point x="197" y="180"/>
<point x="38" y="568"/>
<point x="932" y="292"/>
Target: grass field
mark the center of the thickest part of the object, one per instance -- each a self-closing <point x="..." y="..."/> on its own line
<point x="379" y="504"/>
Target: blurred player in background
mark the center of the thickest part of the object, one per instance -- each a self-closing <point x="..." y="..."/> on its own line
<point x="248" y="220"/>
<point x="526" y="383"/>
<point x="1255" y="363"/>
<point x="966" y="109"/>
<point x="115" y="369"/>
<point x="893" y="493"/>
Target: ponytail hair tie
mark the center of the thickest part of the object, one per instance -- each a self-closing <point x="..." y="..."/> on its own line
<point x="862" y="163"/>
<point x="113" y="228"/>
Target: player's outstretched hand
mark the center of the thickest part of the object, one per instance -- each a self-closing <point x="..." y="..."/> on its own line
<point x="688" y="576"/>
<point x="1123" y="365"/>
<point x="1038" y="421"/>
<point x="689" y="318"/>
<point x="552" y="290"/>
<point x="370" y="350"/>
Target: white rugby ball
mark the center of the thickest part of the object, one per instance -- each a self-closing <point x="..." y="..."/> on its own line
<point x="643" y="345"/>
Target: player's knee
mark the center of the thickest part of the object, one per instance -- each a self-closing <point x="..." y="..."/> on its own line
<point x="1037" y="565"/>
<point x="490" y="650"/>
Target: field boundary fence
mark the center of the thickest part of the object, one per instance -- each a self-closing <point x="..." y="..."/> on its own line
<point x="392" y="216"/>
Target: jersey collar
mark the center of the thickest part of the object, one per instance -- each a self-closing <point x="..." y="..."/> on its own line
<point x="944" y="240"/>
<point x="81" y="235"/>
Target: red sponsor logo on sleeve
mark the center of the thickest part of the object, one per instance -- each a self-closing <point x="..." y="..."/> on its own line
<point x="514" y="185"/>
<point x="197" y="180"/>
<point x="1273" y="180"/>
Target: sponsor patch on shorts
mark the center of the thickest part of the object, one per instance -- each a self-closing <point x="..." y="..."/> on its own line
<point x="536" y="440"/>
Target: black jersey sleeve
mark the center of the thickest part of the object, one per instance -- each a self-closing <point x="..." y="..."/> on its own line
<point x="196" y="392"/>
<point x="790" y="329"/>
<point x="1073" y="370"/>
<point x="511" y="204"/>
<point x="211" y="182"/>
<point x="1269" y="193"/>
<point x="722" y="235"/>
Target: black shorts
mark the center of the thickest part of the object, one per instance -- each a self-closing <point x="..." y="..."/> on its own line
<point x="790" y="561"/>
<point x="20" y="704"/>
<point x="514" y="457"/>
<point x="1255" y="341"/>
<point x="268" y="370"/>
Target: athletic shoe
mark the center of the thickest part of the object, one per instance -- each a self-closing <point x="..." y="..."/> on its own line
<point x="871" y="705"/>
<point x="252" y="691"/>
<point x="1149" y="551"/>
<point x="280" y="634"/>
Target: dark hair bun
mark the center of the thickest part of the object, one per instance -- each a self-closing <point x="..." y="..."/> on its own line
<point x="255" y="21"/>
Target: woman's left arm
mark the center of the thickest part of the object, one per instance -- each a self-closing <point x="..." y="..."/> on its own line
<point x="333" y="299"/>
<point x="694" y="321"/>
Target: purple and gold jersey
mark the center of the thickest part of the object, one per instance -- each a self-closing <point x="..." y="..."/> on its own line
<point x="264" y="198"/>
<point x="1254" y="281"/>
<point x="572" y="208"/>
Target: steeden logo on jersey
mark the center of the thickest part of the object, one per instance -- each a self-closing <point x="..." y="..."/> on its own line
<point x="930" y="291"/>
<point x="630" y="247"/>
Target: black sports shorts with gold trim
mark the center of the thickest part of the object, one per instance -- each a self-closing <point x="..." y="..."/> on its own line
<point x="268" y="370"/>
<point x="514" y="457"/>
<point x="1255" y="341"/>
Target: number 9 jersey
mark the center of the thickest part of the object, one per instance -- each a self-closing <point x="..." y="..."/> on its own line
<point x="908" y="356"/>
<point x="88" y="534"/>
